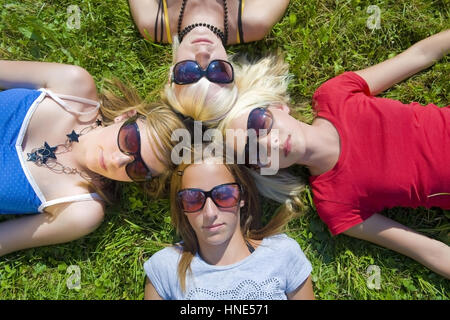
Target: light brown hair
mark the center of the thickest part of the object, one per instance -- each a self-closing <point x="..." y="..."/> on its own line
<point x="250" y="215"/>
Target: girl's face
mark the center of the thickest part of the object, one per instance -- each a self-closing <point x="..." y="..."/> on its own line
<point x="104" y="157"/>
<point x="203" y="46"/>
<point x="284" y="136"/>
<point x="212" y="225"/>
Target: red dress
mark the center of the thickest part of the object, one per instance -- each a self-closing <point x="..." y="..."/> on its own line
<point x="392" y="154"/>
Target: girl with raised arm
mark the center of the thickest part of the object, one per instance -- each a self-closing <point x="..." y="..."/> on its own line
<point x="201" y="81"/>
<point x="61" y="150"/>
<point x="364" y="153"/>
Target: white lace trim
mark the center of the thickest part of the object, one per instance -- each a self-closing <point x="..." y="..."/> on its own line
<point x="269" y="289"/>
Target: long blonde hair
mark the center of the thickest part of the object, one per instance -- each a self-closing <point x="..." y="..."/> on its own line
<point x="261" y="83"/>
<point x="250" y="215"/>
<point x="199" y="100"/>
<point x="118" y="98"/>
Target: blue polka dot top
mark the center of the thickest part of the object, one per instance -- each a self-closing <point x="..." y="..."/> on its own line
<point x="19" y="194"/>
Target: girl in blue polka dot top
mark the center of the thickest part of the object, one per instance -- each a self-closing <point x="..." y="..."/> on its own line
<point x="61" y="150"/>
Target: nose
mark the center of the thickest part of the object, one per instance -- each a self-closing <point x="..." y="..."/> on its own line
<point x="202" y="57"/>
<point x="270" y="139"/>
<point x="120" y="159"/>
<point x="265" y="144"/>
<point x="209" y="212"/>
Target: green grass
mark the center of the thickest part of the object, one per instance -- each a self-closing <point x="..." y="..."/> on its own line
<point x="321" y="39"/>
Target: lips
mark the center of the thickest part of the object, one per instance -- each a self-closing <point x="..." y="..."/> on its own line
<point x="213" y="227"/>
<point x="102" y="160"/>
<point x="202" y="40"/>
<point x="287" y="146"/>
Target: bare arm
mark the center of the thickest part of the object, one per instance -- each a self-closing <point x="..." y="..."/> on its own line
<point x="303" y="292"/>
<point x="60" y="78"/>
<point x="144" y="15"/>
<point x="387" y="233"/>
<point x="150" y="291"/>
<point x="68" y="222"/>
<point x="260" y="16"/>
<point x="418" y="57"/>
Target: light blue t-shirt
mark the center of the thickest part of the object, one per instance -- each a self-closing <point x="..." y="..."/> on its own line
<point x="278" y="266"/>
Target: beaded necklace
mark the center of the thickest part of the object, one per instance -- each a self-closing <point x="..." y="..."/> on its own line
<point x="222" y="35"/>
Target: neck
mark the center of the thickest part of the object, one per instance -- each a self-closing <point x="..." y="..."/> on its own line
<point x="229" y="252"/>
<point x="322" y="148"/>
<point x="79" y="155"/>
<point x="211" y="12"/>
<point x="80" y="148"/>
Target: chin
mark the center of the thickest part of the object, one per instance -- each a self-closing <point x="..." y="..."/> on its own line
<point x="216" y="240"/>
<point x="286" y="164"/>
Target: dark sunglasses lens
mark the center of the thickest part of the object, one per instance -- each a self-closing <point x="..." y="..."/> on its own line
<point x="259" y="119"/>
<point x="137" y="171"/>
<point x="129" y="139"/>
<point x="187" y="72"/>
<point x="191" y="200"/>
<point x="220" y="72"/>
<point x="226" y="196"/>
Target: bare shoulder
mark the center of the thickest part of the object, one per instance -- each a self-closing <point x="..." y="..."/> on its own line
<point x="82" y="216"/>
<point x="150" y="291"/>
<point x="303" y="292"/>
<point x="260" y="16"/>
<point x="90" y="208"/>
<point x="144" y="15"/>
<point x="75" y="81"/>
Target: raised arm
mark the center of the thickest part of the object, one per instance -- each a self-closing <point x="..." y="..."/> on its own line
<point x="260" y="16"/>
<point x="418" y="57"/>
<point x="385" y="232"/>
<point x="60" y="78"/>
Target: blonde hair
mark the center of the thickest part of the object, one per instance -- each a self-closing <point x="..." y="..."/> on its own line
<point x="261" y="83"/>
<point x="161" y="121"/>
<point x="198" y="100"/>
<point x="250" y="215"/>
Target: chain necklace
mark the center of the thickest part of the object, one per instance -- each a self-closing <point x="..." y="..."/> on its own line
<point x="46" y="155"/>
<point x="222" y="35"/>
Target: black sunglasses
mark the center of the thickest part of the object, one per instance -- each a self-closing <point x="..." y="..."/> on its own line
<point x="259" y="119"/>
<point x="225" y="195"/>
<point x="129" y="142"/>
<point x="189" y="71"/>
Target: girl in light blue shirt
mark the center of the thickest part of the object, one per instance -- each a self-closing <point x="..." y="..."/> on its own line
<point x="225" y="254"/>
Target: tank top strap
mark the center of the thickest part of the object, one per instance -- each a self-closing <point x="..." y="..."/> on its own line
<point x="167" y="22"/>
<point x="240" y="33"/>
<point x="79" y="197"/>
<point x="58" y="98"/>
